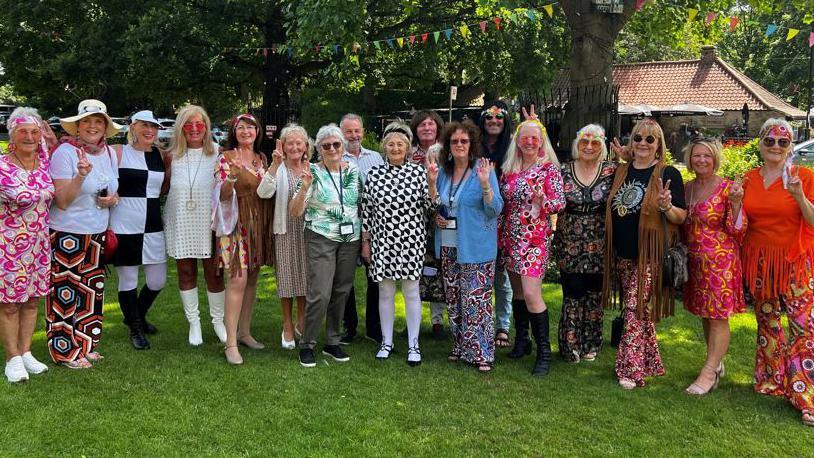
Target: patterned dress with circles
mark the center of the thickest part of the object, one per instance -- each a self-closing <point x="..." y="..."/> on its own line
<point x="395" y="209"/>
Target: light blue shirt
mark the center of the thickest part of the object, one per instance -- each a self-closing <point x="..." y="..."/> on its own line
<point x="367" y="160"/>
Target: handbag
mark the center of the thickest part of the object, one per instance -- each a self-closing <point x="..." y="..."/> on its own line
<point x="674" y="266"/>
<point x="431" y="283"/>
<point x="111" y="244"/>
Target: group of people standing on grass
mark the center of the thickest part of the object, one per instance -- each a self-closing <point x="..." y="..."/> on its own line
<point x="478" y="209"/>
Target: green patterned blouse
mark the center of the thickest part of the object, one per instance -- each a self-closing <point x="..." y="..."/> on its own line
<point x="327" y="214"/>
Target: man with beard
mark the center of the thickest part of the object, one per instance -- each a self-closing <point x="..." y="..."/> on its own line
<point x="496" y="129"/>
<point x="353" y="131"/>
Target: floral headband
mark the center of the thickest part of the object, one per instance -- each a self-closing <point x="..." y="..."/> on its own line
<point x="494" y="111"/>
<point x="25" y="119"/>
<point x="589" y="136"/>
<point x="531" y="122"/>
<point x="778" y="130"/>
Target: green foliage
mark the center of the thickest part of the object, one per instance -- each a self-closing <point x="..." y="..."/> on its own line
<point x="371" y="141"/>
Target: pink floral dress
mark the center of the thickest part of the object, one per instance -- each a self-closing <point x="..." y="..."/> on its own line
<point x="25" y="249"/>
<point x="714" y="288"/>
<point x="525" y="231"/>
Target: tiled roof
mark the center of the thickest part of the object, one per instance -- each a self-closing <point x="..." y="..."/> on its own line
<point x="709" y="81"/>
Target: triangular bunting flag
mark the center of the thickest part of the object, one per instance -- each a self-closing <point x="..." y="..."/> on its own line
<point x="377" y="45"/>
<point x="318" y="47"/>
<point x="639" y="4"/>
<point x="464" y="31"/>
<point x="400" y="41"/>
<point x="497" y="22"/>
<point x="771" y="29"/>
<point x="436" y="35"/>
<point x="531" y="15"/>
<point x="691" y="13"/>
<point x="811" y="39"/>
<point x="710" y="17"/>
<point x="355" y="59"/>
<point x="390" y="43"/>
<point x="733" y="22"/>
<point x="424" y="37"/>
<point x="412" y="39"/>
<point x="549" y="9"/>
<point x="336" y="49"/>
<point x="448" y="33"/>
<point x="792" y="33"/>
<point x="289" y="51"/>
<point x="482" y="26"/>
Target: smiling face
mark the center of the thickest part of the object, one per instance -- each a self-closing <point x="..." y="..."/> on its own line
<point x="776" y="145"/>
<point x="246" y="133"/>
<point x="645" y="143"/>
<point x="331" y="150"/>
<point x="91" y="129"/>
<point x="530" y="141"/>
<point x="396" y="146"/>
<point x="494" y="121"/>
<point x="590" y="148"/>
<point x="427" y="131"/>
<point x="26" y="138"/>
<point x="702" y="161"/>
<point x="194" y="131"/>
<point x="145" y="133"/>
<point x="294" y="147"/>
<point x="353" y="132"/>
<point x="459" y="145"/>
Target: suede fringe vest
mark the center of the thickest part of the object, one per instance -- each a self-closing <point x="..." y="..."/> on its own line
<point x="650" y="251"/>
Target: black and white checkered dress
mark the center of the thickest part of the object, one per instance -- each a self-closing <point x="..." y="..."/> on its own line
<point x="136" y="220"/>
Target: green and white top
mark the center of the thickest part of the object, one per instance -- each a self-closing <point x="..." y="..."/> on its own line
<point x="332" y="203"/>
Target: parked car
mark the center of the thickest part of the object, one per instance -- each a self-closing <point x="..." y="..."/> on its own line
<point x="166" y="130"/>
<point x="218" y="135"/>
<point x="804" y="153"/>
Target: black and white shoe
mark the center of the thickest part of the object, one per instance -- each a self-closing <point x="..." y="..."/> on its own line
<point x="336" y="352"/>
<point x="414" y="356"/>
<point x="384" y="351"/>
<point x="307" y="358"/>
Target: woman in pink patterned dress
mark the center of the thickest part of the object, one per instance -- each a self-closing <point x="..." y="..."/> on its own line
<point x="531" y="186"/>
<point x="713" y="231"/>
<point x="26" y="191"/>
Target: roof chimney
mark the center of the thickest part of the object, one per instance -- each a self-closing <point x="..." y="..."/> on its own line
<point x="708" y="54"/>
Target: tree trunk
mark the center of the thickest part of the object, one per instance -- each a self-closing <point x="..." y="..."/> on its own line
<point x="593" y="35"/>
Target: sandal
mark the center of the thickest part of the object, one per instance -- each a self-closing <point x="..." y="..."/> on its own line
<point x="484" y="368"/>
<point x="591" y="356"/>
<point x="808" y="419"/>
<point x="627" y="383"/>
<point x="384" y="352"/>
<point x="453" y="358"/>
<point x="502" y="339"/>
<point x="94" y="357"/>
<point x="81" y="363"/>
<point x="696" y="389"/>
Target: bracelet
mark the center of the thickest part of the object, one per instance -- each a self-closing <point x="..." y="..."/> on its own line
<point x="665" y="210"/>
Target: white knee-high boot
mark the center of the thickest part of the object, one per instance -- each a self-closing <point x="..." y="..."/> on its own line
<point x="217" y="303"/>
<point x="189" y="299"/>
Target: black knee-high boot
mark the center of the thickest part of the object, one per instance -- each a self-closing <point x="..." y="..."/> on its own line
<point x="539" y="327"/>
<point x="522" y="344"/>
<point x="146" y="297"/>
<point x="128" y="301"/>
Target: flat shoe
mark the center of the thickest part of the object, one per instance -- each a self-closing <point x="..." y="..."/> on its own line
<point x="590" y="356"/>
<point x="627" y="383"/>
<point x="808" y="419"/>
<point x="252" y="344"/>
<point x="32" y="366"/>
<point x="384" y="352"/>
<point x="81" y="363"/>
<point x="287" y="344"/>
<point x="94" y="357"/>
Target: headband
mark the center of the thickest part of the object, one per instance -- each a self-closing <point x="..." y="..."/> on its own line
<point x="590" y="136"/>
<point x="778" y="130"/>
<point x="248" y="116"/>
<point x="24" y="119"/>
<point x="534" y="122"/>
<point x="399" y="129"/>
<point x="494" y="111"/>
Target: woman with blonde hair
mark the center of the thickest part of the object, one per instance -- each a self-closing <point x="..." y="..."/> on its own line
<point x="281" y="181"/>
<point x="645" y="208"/>
<point x="778" y="264"/>
<point x="531" y="186"/>
<point x="713" y="232"/>
<point x="188" y="217"/>
<point x="579" y="244"/>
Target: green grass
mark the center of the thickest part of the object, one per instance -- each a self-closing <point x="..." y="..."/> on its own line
<point x="178" y="400"/>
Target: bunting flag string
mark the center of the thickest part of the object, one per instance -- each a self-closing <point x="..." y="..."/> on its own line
<point x="499" y="23"/>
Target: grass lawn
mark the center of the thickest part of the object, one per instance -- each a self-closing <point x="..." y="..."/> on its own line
<point x="178" y="400"/>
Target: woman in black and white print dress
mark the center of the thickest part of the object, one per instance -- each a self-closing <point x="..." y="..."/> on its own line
<point x="397" y="199"/>
<point x="138" y="226"/>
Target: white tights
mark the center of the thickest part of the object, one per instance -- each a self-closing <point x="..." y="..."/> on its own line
<point x="387" y="309"/>
<point x="155" y="276"/>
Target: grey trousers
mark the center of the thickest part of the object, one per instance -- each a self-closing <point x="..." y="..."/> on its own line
<point x="331" y="270"/>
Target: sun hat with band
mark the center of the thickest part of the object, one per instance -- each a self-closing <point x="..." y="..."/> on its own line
<point x="87" y="108"/>
<point x="145" y="116"/>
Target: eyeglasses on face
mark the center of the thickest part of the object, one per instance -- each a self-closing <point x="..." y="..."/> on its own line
<point x="782" y="142"/>
<point x="649" y="139"/>
<point x="459" y="141"/>
<point x="190" y="126"/>
<point x="490" y="117"/>
<point x="593" y="143"/>
<point x="328" y="146"/>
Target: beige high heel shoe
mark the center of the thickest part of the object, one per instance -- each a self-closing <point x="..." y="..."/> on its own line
<point x="234" y="360"/>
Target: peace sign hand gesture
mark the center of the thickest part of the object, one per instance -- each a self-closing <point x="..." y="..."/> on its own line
<point x="622" y="152"/>
<point x="794" y="184"/>
<point x="83" y="167"/>
<point x="736" y="191"/>
<point x="432" y="170"/>
<point x="665" y="201"/>
<point x="485" y="168"/>
<point x="277" y="155"/>
<point x="530" y="114"/>
<point x="306" y="178"/>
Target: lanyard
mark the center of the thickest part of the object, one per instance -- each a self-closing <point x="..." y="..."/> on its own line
<point x="338" y="188"/>
<point x="453" y="192"/>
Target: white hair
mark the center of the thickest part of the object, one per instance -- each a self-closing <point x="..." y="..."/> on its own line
<point x="594" y="130"/>
<point x="351" y="117"/>
<point x="774" y="122"/>
<point x="295" y="129"/>
<point x="331" y="130"/>
<point x="19" y="112"/>
<point x="514" y="160"/>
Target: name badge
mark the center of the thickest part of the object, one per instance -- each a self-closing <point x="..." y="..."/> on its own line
<point x="452" y="223"/>
<point x="346" y="229"/>
<point x="429" y="271"/>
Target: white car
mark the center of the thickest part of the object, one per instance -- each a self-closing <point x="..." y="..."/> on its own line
<point x="804" y="153"/>
<point x="167" y="128"/>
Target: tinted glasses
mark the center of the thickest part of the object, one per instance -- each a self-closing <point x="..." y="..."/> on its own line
<point x="328" y="146"/>
<point x="649" y="139"/>
<point x="782" y="142"/>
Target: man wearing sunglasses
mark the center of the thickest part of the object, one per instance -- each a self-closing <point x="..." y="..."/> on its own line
<point x="496" y="127"/>
<point x="353" y="130"/>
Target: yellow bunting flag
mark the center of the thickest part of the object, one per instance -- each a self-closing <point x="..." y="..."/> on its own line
<point x="464" y="31"/>
<point x="549" y="9"/>
<point x="400" y="41"/>
<point x="692" y="12"/>
<point x="792" y="33"/>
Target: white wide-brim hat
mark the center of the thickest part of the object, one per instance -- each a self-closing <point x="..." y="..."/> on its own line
<point x="145" y="116"/>
<point x="87" y="108"/>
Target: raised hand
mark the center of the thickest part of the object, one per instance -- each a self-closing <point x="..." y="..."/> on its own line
<point x="736" y="191"/>
<point x="665" y="196"/>
<point x="538" y="197"/>
<point x="277" y="156"/>
<point x="794" y="185"/>
<point x="83" y="167"/>
<point x="48" y="135"/>
<point x="485" y="168"/>
<point x="432" y="169"/>
<point x="306" y="178"/>
<point x="529" y="115"/>
<point x="622" y="152"/>
<point x="236" y="166"/>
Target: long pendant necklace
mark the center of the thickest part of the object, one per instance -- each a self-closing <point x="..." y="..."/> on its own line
<point x="23" y="170"/>
<point x="191" y="204"/>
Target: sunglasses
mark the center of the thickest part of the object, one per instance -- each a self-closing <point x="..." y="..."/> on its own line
<point x="328" y="146"/>
<point x="782" y="142"/>
<point x="490" y="117"/>
<point x="189" y="127"/>
<point x="529" y="139"/>
<point x="459" y="141"/>
<point x="649" y="139"/>
<point x="594" y="143"/>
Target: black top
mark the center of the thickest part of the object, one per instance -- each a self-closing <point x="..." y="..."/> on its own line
<point x="627" y="205"/>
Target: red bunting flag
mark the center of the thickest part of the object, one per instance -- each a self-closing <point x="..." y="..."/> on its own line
<point x="733" y="22"/>
<point x="710" y="17"/>
<point x="482" y="25"/>
<point x="424" y="37"/>
<point x="412" y="39"/>
<point x="639" y="4"/>
<point x="497" y="22"/>
<point x="811" y="40"/>
<point x="318" y="47"/>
